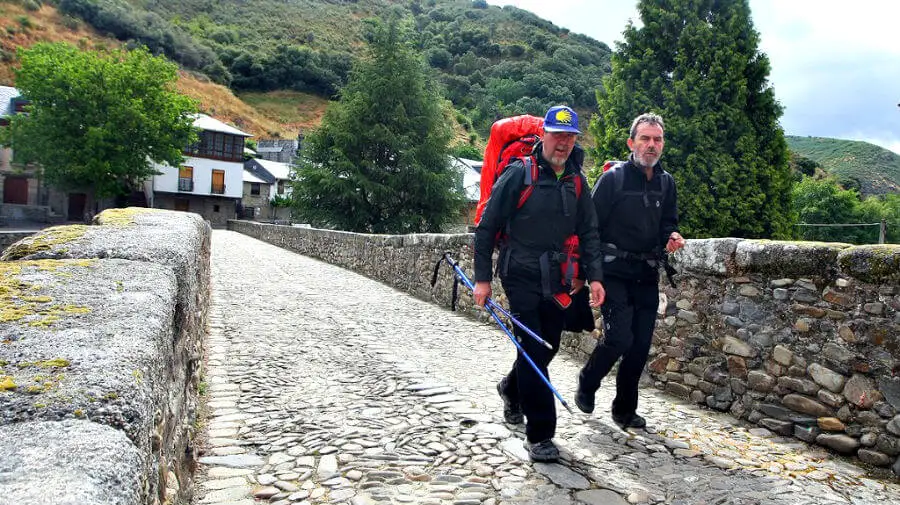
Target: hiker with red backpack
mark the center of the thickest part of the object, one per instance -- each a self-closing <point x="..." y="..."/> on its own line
<point x="637" y="211"/>
<point x="534" y="209"/>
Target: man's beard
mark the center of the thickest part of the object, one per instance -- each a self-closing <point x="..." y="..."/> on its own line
<point x="558" y="160"/>
<point x="647" y="160"/>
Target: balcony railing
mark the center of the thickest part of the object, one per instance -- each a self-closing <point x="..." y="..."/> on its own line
<point x="185" y="184"/>
<point x="217" y="190"/>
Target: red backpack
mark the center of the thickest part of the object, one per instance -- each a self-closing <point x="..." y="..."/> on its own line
<point x="515" y="138"/>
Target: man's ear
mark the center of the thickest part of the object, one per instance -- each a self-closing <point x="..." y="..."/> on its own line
<point x="631" y="143"/>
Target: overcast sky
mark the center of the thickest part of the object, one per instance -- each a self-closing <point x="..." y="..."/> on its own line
<point x="835" y="63"/>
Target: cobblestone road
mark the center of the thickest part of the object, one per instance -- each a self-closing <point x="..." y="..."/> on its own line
<point x="327" y="387"/>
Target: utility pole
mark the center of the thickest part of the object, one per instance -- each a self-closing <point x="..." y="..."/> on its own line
<point x="883" y="231"/>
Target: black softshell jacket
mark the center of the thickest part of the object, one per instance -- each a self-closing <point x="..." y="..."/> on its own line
<point x="551" y="213"/>
<point x="637" y="219"/>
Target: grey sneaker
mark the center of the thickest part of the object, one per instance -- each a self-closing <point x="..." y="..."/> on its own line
<point x="512" y="411"/>
<point x="543" y="451"/>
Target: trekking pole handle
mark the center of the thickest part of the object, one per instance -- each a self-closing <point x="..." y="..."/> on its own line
<point x="489" y="303"/>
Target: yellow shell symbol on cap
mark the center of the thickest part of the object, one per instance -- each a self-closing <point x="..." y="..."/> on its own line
<point x="564" y="117"/>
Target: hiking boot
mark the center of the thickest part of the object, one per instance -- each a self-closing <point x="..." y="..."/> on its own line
<point x="512" y="411"/>
<point x="544" y="451"/>
<point x="584" y="400"/>
<point x="632" y="421"/>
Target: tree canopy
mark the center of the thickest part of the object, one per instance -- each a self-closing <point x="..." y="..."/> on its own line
<point x="97" y="120"/>
<point x="379" y="160"/>
<point x="823" y="201"/>
<point x="696" y="63"/>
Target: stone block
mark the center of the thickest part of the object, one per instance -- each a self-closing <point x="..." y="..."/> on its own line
<point x="679" y="390"/>
<point x="760" y="381"/>
<point x="826" y="377"/>
<point x="841" y="443"/>
<point x="875" y="264"/>
<point x="72" y="462"/>
<point x="778" y="426"/>
<point x="806" y="405"/>
<point x="861" y="391"/>
<point x="782" y="355"/>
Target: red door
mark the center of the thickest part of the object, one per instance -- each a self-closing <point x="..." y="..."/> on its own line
<point x="15" y="190"/>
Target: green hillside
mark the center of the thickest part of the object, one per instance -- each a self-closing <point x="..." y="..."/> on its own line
<point x="492" y="61"/>
<point x="875" y="169"/>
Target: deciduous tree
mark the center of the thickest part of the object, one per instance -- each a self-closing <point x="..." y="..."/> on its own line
<point x="697" y="63"/>
<point x="97" y="120"/>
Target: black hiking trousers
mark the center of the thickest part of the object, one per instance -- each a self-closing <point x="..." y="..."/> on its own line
<point x="629" y="317"/>
<point x="522" y="384"/>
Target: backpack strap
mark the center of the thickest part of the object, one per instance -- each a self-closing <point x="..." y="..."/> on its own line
<point x="531" y="177"/>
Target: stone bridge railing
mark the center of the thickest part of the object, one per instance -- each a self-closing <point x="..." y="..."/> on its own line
<point x="101" y="329"/>
<point x="801" y="338"/>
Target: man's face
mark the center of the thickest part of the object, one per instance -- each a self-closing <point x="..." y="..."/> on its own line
<point x="557" y="147"/>
<point x="647" y="144"/>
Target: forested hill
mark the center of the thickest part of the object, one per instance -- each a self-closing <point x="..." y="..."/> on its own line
<point x="870" y="168"/>
<point x="492" y="61"/>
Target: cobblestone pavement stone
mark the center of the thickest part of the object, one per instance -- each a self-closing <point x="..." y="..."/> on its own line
<point x="327" y="387"/>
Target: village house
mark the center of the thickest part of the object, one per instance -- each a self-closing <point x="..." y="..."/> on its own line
<point x="267" y="184"/>
<point x="210" y="180"/>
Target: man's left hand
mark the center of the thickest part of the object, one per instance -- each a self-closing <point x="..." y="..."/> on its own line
<point x="598" y="294"/>
<point x="676" y="242"/>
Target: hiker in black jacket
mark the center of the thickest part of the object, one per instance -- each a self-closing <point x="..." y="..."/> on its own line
<point x="529" y="265"/>
<point x="637" y="219"/>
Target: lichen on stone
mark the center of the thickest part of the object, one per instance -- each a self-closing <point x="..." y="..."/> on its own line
<point x="18" y="301"/>
<point x="43" y="241"/>
<point x="872" y="263"/>
<point x="121" y="217"/>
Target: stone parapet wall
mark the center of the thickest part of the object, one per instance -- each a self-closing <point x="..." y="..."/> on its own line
<point x="102" y="330"/>
<point x="801" y="338"/>
<point x="8" y="238"/>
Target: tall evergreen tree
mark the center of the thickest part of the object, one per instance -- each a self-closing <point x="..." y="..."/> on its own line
<point x="697" y="63"/>
<point x="378" y="162"/>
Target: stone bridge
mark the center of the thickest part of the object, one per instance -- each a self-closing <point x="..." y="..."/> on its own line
<point x="324" y="386"/>
<point x="772" y="380"/>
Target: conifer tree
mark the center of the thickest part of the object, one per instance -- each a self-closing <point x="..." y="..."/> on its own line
<point x="378" y="162"/>
<point x="697" y="63"/>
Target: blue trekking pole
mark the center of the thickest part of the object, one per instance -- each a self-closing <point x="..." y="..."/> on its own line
<point x="490" y="303"/>
<point x="489" y="306"/>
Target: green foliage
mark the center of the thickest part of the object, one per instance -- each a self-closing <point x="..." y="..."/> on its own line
<point x="309" y="45"/>
<point x="823" y="201"/>
<point x="876" y="170"/>
<point x="96" y="120"/>
<point x="467" y="151"/>
<point x="378" y="162"/>
<point x="120" y="20"/>
<point x="697" y="64"/>
<point x="280" y="201"/>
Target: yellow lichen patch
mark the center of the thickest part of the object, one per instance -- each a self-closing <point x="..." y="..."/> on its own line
<point x="37" y="299"/>
<point x="17" y="298"/>
<point x="53" y="363"/>
<point x="7" y="384"/>
<point x="121" y="217"/>
<point x="44" y="241"/>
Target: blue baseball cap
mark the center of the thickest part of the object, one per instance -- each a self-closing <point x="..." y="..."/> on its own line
<point x="561" y="119"/>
